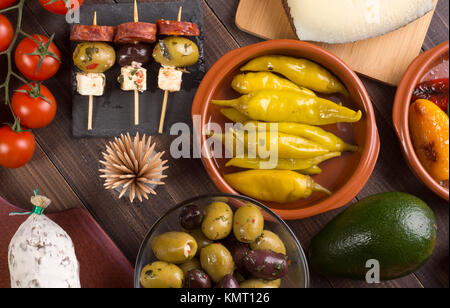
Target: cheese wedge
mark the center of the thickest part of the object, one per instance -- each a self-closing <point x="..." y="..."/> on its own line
<point x="344" y="21"/>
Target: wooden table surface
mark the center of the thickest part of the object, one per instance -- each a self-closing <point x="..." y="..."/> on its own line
<point x="66" y="169"/>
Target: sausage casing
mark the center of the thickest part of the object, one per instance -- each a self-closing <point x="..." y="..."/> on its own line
<point x="181" y="28"/>
<point x="131" y="32"/>
<point x="84" y="33"/>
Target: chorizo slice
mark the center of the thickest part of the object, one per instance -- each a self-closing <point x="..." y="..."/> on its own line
<point x="92" y="33"/>
<point x="181" y="28"/>
<point x="131" y="32"/>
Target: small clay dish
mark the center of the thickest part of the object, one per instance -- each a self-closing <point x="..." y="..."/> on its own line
<point x="344" y="176"/>
<point x="418" y="71"/>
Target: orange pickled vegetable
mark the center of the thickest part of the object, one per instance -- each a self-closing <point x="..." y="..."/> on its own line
<point x="429" y="132"/>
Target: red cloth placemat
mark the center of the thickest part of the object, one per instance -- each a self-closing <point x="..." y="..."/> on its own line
<point x="102" y="264"/>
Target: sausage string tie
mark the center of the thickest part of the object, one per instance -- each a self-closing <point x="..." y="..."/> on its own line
<point x="40" y="203"/>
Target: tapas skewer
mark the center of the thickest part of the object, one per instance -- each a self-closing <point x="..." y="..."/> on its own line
<point x="133" y="53"/>
<point x="174" y="53"/>
<point x="93" y="57"/>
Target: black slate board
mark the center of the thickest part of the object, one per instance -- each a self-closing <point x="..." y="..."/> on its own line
<point x="114" y="112"/>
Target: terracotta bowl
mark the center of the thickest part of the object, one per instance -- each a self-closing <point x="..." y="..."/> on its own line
<point x="344" y="176"/>
<point x="413" y="76"/>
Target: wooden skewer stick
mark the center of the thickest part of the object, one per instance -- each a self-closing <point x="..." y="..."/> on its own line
<point x="91" y="98"/>
<point x="136" y="92"/>
<point x="166" y="93"/>
<point x="179" y="13"/>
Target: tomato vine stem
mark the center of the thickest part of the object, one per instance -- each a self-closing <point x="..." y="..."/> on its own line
<point x="5" y="85"/>
<point x="14" y="7"/>
<point x="8" y="52"/>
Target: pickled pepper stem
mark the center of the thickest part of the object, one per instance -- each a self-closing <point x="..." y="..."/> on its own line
<point x="319" y="188"/>
<point x="233" y="103"/>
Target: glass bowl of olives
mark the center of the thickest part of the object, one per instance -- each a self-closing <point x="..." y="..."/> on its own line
<point x="221" y="241"/>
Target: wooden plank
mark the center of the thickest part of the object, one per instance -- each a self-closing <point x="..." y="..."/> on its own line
<point x="384" y="58"/>
<point x="438" y="31"/>
<point x="18" y="185"/>
<point x="76" y="160"/>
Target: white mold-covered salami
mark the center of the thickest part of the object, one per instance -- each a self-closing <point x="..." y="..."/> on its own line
<point x="41" y="254"/>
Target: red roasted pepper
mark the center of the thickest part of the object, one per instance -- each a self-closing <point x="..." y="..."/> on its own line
<point x="435" y="91"/>
<point x="92" y="66"/>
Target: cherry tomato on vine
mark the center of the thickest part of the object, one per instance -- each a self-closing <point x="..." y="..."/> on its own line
<point x="16" y="148"/>
<point x="6" y="33"/>
<point x="37" y="57"/>
<point x="60" y="6"/>
<point x="35" y="106"/>
<point x="6" y="3"/>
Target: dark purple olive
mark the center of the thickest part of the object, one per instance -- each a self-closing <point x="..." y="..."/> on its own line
<point x="227" y="282"/>
<point x="141" y="53"/>
<point x="266" y="264"/>
<point x="198" y="279"/>
<point x="191" y="217"/>
<point x="238" y="251"/>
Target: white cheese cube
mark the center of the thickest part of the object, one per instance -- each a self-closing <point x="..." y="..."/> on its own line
<point x="91" y="84"/>
<point x="170" y="79"/>
<point x="133" y="77"/>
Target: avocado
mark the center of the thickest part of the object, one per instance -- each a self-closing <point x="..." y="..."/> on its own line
<point x="396" y="229"/>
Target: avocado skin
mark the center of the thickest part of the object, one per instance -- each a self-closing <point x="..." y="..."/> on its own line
<point x="397" y="229"/>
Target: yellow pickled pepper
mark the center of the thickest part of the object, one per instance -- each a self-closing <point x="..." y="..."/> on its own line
<point x="302" y="72"/>
<point x="251" y="82"/>
<point x="289" y="106"/>
<point x="287" y="146"/>
<point x="314" y="170"/>
<point x="283" y="163"/>
<point x="313" y="133"/>
<point x="274" y="185"/>
<point x="234" y="115"/>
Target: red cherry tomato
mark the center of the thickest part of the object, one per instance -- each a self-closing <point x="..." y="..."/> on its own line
<point x="6" y="33"/>
<point x="36" y="108"/>
<point x="60" y="6"/>
<point x="16" y="148"/>
<point x="31" y="51"/>
<point x="6" y="3"/>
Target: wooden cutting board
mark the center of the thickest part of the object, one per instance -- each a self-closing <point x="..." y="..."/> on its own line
<point x="384" y="58"/>
<point x="102" y="264"/>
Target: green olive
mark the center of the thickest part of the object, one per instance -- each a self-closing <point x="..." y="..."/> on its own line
<point x="218" y="221"/>
<point x="161" y="275"/>
<point x="217" y="261"/>
<point x="260" y="284"/>
<point x="268" y="241"/>
<point x="176" y="51"/>
<point x="248" y="223"/>
<point x="94" y="57"/>
<point x="201" y="239"/>
<point x="174" y="247"/>
<point x="190" y="265"/>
